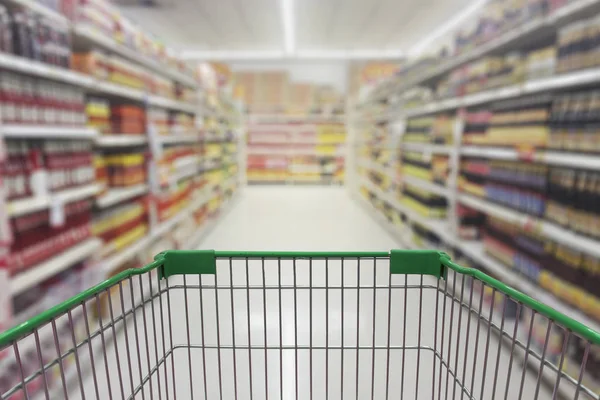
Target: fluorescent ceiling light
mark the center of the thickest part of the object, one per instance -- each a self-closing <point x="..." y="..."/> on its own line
<point x="201" y="55"/>
<point x="350" y="54"/>
<point x="418" y="48"/>
<point x="287" y="21"/>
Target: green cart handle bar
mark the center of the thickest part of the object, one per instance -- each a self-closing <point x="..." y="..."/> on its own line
<point x="408" y="262"/>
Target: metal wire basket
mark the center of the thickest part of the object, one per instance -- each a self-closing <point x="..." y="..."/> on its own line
<point x="272" y="325"/>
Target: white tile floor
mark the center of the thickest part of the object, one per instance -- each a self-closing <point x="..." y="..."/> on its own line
<point x="323" y="219"/>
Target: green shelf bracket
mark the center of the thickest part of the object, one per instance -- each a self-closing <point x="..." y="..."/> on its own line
<point x="418" y="262"/>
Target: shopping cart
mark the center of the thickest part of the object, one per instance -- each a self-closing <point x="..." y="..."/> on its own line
<point x="260" y="325"/>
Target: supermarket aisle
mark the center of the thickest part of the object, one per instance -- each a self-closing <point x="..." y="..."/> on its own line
<point x="271" y="303"/>
<point x="297" y="218"/>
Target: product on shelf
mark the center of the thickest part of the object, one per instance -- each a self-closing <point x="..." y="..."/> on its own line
<point x="123" y="169"/>
<point x="28" y="100"/>
<point x="172" y="202"/>
<point x="568" y="274"/>
<point x="121" y="225"/>
<point x="578" y="45"/>
<point x="128" y="119"/>
<point x="94" y="63"/>
<point x="519" y="122"/>
<point x="574" y="122"/>
<point x="35" y="238"/>
<point x="37" y="38"/>
<point x="98" y="115"/>
<point x="425" y="203"/>
<point x="67" y="164"/>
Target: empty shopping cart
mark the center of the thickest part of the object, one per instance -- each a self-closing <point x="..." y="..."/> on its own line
<point x="273" y="325"/>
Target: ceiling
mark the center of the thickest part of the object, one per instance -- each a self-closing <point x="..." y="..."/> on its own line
<point x="225" y="28"/>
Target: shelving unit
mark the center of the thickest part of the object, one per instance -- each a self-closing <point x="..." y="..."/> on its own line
<point x="291" y="149"/>
<point x="199" y="149"/>
<point x="382" y="180"/>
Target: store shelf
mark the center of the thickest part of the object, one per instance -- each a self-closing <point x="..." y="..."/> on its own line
<point x="120" y="140"/>
<point x="574" y="160"/>
<point x="38" y="9"/>
<point x="118" y="259"/>
<point x="401" y="235"/>
<point x="375" y="166"/>
<point x="533" y="224"/>
<point x="427" y="148"/>
<point x="520" y="36"/>
<point x="42" y="70"/>
<point x="427" y="186"/>
<point x="118" y="195"/>
<point x="32" y="204"/>
<point x="172" y="104"/>
<point x="47" y="132"/>
<point x="439" y="226"/>
<point x="177" y="139"/>
<point x="564" y="81"/>
<point x="283" y="118"/>
<point x="87" y="36"/>
<point x="42" y="271"/>
<point x="475" y="250"/>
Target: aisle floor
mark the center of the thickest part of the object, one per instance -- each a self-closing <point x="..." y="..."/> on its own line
<point x="294" y="218"/>
<point x="272" y="304"/>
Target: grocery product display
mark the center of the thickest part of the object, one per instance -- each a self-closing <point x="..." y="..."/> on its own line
<point x="296" y="152"/>
<point x="495" y="160"/>
<point x="108" y="153"/>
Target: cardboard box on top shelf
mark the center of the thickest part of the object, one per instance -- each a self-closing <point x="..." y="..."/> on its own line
<point x="245" y="80"/>
<point x="270" y="92"/>
<point x="300" y="98"/>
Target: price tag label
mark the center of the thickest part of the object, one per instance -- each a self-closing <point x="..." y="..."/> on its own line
<point x="57" y="212"/>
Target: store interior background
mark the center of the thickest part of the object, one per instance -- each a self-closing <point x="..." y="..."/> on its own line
<point x="466" y="126"/>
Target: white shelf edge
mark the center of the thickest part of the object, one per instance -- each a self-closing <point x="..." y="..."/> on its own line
<point x="44" y="270"/>
<point x="32" y="204"/>
<point x="88" y="33"/>
<point x="427" y="147"/>
<point x="428" y="186"/>
<point x="42" y="70"/>
<point x="575" y="160"/>
<point x="118" y="195"/>
<point x="173" y="139"/>
<point x="48" y="131"/>
<point x="548" y="229"/>
<point x="120" y="140"/>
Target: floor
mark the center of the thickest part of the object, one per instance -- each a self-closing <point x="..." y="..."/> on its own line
<point x="372" y="339"/>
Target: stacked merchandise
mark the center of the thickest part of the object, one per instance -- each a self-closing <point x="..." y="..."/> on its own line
<point x="121" y="169"/>
<point x="29" y="100"/>
<point x="40" y="235"/>
<point x="107" y="118"/>
<point x="121" y="226"/>
<point x="296" y="152"/>
<point x="55" y="165"/>
<point x="523" y="154"/>
<point x="36" y="38"/>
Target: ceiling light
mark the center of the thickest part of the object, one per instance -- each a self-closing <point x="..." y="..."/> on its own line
<point x="201" y="55"/>
<point x="287" y="21"/>
<point x="418" y="48"/>
<point x="350" y="54"/>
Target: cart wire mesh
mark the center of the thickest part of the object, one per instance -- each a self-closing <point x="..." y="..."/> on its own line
<point x="259" y="325"/>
